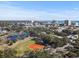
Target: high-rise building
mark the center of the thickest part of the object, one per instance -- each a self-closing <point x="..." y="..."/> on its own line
<point x="67" y="22"/>
<point x="76" y="24"/>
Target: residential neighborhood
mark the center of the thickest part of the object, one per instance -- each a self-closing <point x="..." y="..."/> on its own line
<point x="38" y="36"/>
<point x="39" y="29"/>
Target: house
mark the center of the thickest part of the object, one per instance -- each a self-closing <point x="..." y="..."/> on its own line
<point x="73" y="37"/>
<point x="38" y="24"/>
<point x="60" y="29"/>
<point x="38" y="40"/>
<point x="3" y="30"/>
<point x="28" y="24"/>
<point x="13" y="38"/>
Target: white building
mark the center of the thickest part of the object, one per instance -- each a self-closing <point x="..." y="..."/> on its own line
<point x="69" y="22"/>
<point x="60" y="29"/>
<point x="73" y="37"/>
<point x="76" y="24"/>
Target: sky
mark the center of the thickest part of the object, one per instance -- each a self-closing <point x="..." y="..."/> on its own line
<point x="39" y="10"/>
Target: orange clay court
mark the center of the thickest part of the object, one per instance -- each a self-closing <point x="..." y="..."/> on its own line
<point x="36" y="46"/>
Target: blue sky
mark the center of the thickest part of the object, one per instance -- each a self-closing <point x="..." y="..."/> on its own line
<point x="39" y="10"/>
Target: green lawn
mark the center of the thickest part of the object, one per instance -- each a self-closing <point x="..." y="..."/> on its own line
<point x="21" y="46"/>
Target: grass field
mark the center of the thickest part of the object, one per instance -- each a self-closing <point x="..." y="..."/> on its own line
<point x="22" y="46"/>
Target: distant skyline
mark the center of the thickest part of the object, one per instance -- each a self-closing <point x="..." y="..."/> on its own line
<point x="39" y="10"/>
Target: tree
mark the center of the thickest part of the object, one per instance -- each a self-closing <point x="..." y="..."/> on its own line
<point x="54" y="41"/>
<point x="71" y="55"/>
<point x="7" y="53"/>
<point x="38" y="54"/>
<point x="42" y="54"/>
<point x="60" y="33"/>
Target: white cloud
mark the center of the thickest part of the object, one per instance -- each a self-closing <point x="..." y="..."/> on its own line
<point x="9" y="12"/>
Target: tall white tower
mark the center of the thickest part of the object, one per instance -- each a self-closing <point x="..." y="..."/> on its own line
<point x="69" y="22"/>
<point x="32" y="21"/>
<point x="76" y="24"/>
